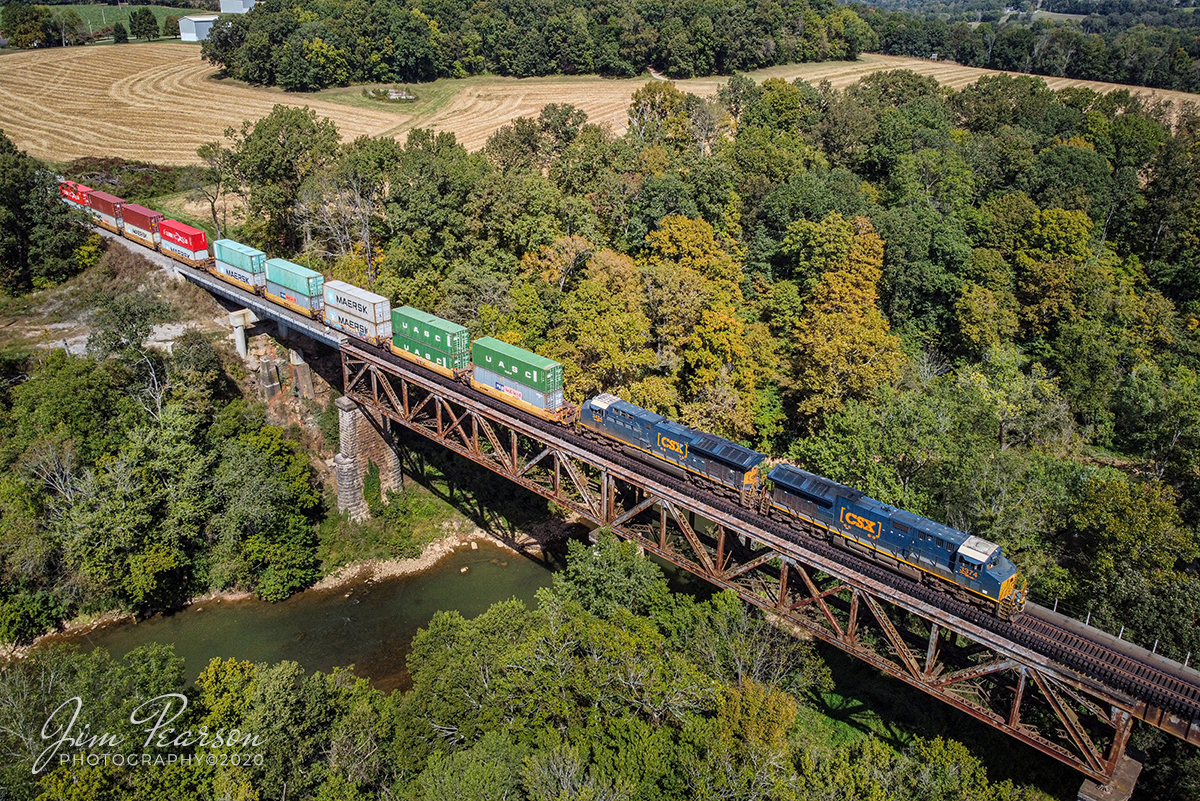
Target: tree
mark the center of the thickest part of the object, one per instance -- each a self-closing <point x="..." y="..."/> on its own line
<point x="120" y="34"/>
<point x="272" y="158"/>
<point x="39" y="234"/>
<point x="142" y="24"/>
<point x="170" y="26"/>
<point x="842" y="348"/>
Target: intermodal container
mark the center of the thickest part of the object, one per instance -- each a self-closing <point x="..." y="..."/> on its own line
<point x="433" y="332"/>
<point x="418" y="348"/>
<point x="299" y="280"/>
<point x="236" y="273"/>
<point x="183" y="240"/>
<point x="336" y="317"/>
<point x="359" y="303"/>
<point x="106" y="208"/>
<point x="549" y="401"/>
<point x="289" y="295"/>
<point x="75" y="194"/>
<point x="517" y="364"/>
<point x="141" y="223"/>
<point x="241" y="257"/>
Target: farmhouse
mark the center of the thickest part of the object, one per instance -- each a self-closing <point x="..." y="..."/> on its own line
<point x="236" y="6"/>
<point x="195" y="28"/>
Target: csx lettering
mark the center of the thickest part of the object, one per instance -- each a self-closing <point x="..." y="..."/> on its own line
<point x="671" y="445"/>
<point x="861" y="522"/>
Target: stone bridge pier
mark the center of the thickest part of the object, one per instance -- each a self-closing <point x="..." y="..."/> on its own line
<point x="364" y="437"/>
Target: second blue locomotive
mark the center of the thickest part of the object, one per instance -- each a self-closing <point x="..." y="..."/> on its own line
<point x="708" y="455"/>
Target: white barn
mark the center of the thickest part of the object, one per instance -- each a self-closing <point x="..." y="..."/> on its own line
<point x="236" y="6"/>
<point x="195" y="28"/>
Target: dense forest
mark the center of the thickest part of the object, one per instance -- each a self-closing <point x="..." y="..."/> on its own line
<point x="610" y="689"/>
<point x="979" y="305"/>
<point x="1144" y="47"/>
<point x="306" y="46"/>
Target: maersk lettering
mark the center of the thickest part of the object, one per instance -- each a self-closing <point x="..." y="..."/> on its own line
<point x="351" y="323"/>
<point x="351" y="303"/>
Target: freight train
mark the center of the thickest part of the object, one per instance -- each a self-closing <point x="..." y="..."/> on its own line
<point x="950" y="560"/>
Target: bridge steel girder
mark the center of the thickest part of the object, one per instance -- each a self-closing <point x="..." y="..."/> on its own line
<point x="1061" y="713"/>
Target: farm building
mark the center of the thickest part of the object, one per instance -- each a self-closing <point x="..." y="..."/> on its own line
<point x="236" y="6"/>
<point x="195" y="28"/>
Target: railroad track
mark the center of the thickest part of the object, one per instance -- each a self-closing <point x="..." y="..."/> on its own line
<point x="1146" y="679"/>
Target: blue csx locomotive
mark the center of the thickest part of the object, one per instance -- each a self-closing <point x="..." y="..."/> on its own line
<point x="970" y="567"/>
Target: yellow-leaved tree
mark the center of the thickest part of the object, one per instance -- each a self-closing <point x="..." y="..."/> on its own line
<point x="842" y="347"/>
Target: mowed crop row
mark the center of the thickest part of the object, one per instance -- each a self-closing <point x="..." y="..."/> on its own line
<point x="153" y="102"/>
<point x="158" y="102"/>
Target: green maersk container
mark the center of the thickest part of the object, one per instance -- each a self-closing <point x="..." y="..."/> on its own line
<point x="451" y="362"/>
<point x="291" y="276"/>
<point x="517" y="364"/>
<point x="431" y="332"/>
<point x="244" y="257"/>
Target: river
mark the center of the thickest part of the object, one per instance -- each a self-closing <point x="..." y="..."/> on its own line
<point x="367" y="625"/>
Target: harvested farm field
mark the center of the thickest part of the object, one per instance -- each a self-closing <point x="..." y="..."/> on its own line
<point x="153" y="102"/>
<point x="158" y="102"/>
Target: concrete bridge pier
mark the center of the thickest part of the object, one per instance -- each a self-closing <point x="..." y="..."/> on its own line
<point x="239" y="320"/>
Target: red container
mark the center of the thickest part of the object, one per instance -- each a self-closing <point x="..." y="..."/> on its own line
<point x="75" y="193"/>
<point x="184" y="235"/>
<point x="106" y="204"/>
<point x="142" y="217"/>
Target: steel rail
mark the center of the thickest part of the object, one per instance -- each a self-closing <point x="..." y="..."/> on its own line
<point x="1087" y="669"/>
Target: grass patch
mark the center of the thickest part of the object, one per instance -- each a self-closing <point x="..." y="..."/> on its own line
<point x="100" y="16"/>
<point x="415" y="518"/>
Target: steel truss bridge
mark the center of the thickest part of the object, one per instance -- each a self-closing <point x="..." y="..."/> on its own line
<point x="1055" y="684"/>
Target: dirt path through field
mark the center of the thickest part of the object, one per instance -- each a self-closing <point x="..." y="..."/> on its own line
<point x="159" y="101"/>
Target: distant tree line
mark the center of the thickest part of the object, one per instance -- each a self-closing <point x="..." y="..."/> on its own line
<point x="1144" y="50"/>
<point x="307" y="46"/>
<point x="29" y="25"/>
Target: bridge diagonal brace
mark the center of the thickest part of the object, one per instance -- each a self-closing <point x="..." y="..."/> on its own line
<point x="889" y="630"/>
<point x="1070" y="722"/>
<point x="390" y="391"/>
<point x="415" y="410"/>
<point x="532" y="463"/>
<point x="582" y="488"/>
<point x="693" y="540"/>
<point x="501" y="453"/>
<point x="761" y="558"/>
<point x="456" y="424"/>
<point x="818" y="598"/>
<point x="351" y="381"/>
<point x="973" y="672"/>
<point x="625" y="517"/>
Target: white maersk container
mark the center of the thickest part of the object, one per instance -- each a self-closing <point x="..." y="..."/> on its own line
<point x="359" y="303"/>
<point x="377" y="333"/>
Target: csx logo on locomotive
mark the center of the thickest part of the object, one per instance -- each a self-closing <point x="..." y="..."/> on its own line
<point x="867" y="525"/>
<point x="668" y="444"/>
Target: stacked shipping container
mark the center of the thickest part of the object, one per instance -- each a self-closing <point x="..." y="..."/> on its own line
<point x="240" y="264"/>
<point x="75" y="194"/>
<point x="140" y="224"/>
<point x="431" y="338"/>
<point x="183" y="242"/>
<point x="358" y="312"/>
<point x="518" y="374"/>
<point x="106" y="209"/>
<point x="296" y="286"/>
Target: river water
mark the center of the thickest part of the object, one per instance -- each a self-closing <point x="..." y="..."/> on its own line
<point x="367" y="625"/>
